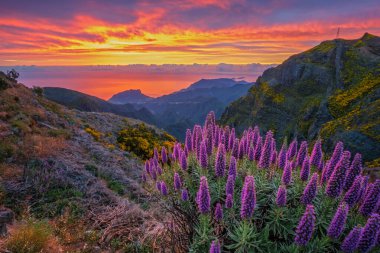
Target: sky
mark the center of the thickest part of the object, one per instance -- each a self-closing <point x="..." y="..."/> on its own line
<point x="118" y="32"/>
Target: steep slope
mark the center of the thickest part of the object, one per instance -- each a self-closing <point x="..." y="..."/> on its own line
<point x="84" y="102"/>
<point x="331" y="91"/>
<point x="67" y="166"/>
<point x="129" y="97"/>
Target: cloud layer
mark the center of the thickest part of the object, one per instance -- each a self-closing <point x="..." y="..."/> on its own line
<point x="174" y="31"/>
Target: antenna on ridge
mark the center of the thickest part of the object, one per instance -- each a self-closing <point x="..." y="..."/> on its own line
<point x="337" y="33"/>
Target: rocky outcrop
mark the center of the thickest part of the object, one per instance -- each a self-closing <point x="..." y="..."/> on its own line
<point x="330" y="91"/>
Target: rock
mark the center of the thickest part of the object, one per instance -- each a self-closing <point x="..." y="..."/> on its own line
<point x="6" y="217"/>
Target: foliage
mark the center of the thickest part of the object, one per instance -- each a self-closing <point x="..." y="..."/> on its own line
<point x="342" y="99"/>
<point x="321" y="97"/>
<point x="94" y="133"/>
<point x="31" y="237"/>
<point x="272" y="228"/>
<point x="141" y="140"/>
<point x="112" y="184"/>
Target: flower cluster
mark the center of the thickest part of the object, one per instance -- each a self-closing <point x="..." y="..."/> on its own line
<point x="305" y="227"/>
<point x="230" y="186"/>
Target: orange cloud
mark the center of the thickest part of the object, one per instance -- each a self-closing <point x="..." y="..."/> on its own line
<point x="175" y="32"/>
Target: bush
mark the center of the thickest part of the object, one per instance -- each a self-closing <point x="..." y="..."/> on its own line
<point x="31" y="237"/>
<point x="272" y="201"/>
<point x="94" y="133"/>
<point x="141" y="140"/>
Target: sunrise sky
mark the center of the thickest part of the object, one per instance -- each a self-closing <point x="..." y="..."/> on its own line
<point x="73" y="32"/>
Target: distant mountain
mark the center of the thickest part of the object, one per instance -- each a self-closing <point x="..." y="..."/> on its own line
<point x="128" y="97"/>
<point x="84" y="102"/>
<point x="331" y="91"/>
<point x="182" y="109"/>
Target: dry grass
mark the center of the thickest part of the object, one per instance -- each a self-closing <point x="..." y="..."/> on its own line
<point x="30" y="237"/>
<point x="43" y="146"/>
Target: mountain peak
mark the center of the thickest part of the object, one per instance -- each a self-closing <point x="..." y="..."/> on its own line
<point x="211" y="83"/>
<point x="328" y="92"/>
<point x="129" y="96"/>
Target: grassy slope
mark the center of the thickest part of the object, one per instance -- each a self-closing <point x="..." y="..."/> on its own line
<point x="52" y="167"/>
<point x="309" y="95"/>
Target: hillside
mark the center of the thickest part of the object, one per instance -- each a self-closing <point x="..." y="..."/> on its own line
<point x="182" y="109"/>
<point x="129" y="97"/>
<point x="84" y="102"/>
<point x="70" y="168"/>
<point x="331" y="91"/>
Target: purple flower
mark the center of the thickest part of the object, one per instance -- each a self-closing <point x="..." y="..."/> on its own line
<point x="354" y="170"/>
<point x="235" y="149"/>
<point x="258" y="149"/>
<point x="147" y="167"/>
<point x="164" y="157"/>
<point x="155" y="153"/>
<point x="336" y="181"/>
<point x="266" y="152"/>
<point x="335" y="158"/>
<point x="153" y="173"/>
<point x="154" y="161"/>
<point x="371" y="199"/>
<point x="215" y="247"/>
<point x="305" y="228"/>
<point x="316" y="154"/>
<point x="305" y="170"/>
<point x="176" y="151"/>
<point x="282" y="157"/>
<point x="248" y="198"/>
<point x="326" y="172"/>
<point x="310" y="190"/>
<point x="273" y="159"/>
<point x="351" y="241"/>
<point x="241" y="149"/>
<point x="251" y="153"/>
<point x="292" y="150"/>
<point x="203" y="196"/>
<point x="218" y="214"/>
<point x="188" y="140"/>
<point x="229" y="201"/>
<point x="232" y="168"/>
<point x="287" y="174"/>
<point x="183" y="161"/>
<point x="158" y="186"/>
<point x="220" y="161"/>
<point x="159" y="169"/>
<point x="226" y="136"/>
<point x="302" y="153"/>
<point x="231" y="140"/>
<point x="184" y="195"/>
<point x="164" y="189"/>
<point x="281" y="196"/>
<point x="363" y="188"/>
<point x="368" y="235"/>
<point x="209" y="145"/>
<point x="352" y="194"/>
<point x="210" y="120"/>
<point x="177" y="181"/>
<point x="338" y="222"/>
<point x="255" y="135"/>
<point x="230" y="185"/>
<point x="203" y="159"/>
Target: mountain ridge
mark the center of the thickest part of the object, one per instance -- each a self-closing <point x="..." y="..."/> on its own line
<point x="330" y="91"/>
<point x="129" y="96"/>
<point x="85" y="102"/>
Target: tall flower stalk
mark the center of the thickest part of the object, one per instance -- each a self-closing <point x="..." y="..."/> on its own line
<point x="306" y="226"/>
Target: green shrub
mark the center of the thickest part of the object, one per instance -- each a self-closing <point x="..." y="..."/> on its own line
<point x="31" y="237"/>
<point x="141" y="140"/>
